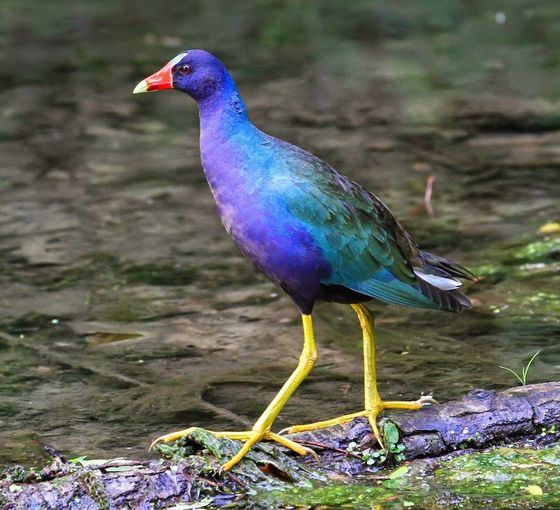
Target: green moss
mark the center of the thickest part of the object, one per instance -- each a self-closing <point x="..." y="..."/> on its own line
<point x="501" y="478"/>
<point x="520" y="277"/>
<point x="505" y="474"/>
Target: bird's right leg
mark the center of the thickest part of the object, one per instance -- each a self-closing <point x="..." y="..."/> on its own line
<point x="374" y="405"/>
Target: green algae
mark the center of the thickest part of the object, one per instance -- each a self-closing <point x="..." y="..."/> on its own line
<point x="521" y="279"/>
<point x="125" y="307"/>
<point x="103" y="270"/>
<point x="158" y="274"/>
<point x="504" y="475"/>
<point x="521" y="259"/>
<point x="31" y="322"/>
<point x="500" y="478"/>
<point x="538" y="251"/>
<point x="96" y="269"/>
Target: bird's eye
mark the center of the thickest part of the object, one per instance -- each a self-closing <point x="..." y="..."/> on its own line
<point x="184" y="69"/>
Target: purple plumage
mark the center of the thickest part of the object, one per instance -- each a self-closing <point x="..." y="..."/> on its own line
<point x="311" y="230"/>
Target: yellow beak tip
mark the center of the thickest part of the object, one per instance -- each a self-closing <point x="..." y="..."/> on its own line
<point x="141" y="87"/>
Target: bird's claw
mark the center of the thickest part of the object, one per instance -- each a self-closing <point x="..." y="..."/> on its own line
<point x="426" y="400"/>
<point x="249" y="437"/>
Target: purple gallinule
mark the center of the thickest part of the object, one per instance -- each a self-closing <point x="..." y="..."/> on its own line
<point x="311" y="230"/>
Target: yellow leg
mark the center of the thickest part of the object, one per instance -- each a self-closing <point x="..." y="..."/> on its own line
<point x="261" y="428"/>
<point x="372" y="400"/>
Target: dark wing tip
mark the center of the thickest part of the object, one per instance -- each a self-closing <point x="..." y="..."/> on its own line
<point x="446" y="300"/>
<point x="450" y="267"/>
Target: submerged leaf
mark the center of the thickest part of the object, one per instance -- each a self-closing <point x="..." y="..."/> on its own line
<point x="535" y="490"/>
<point x="397" y="473"/>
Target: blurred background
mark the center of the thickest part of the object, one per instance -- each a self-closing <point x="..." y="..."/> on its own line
<point x="126" y="312"/>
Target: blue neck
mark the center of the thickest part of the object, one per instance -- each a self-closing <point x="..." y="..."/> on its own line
<point x="222" y="113"/>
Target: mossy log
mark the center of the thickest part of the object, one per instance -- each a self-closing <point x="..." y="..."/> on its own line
<point x="527" y="416"/>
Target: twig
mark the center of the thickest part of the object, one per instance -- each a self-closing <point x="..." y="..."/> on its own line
<point x="428" y="195"/>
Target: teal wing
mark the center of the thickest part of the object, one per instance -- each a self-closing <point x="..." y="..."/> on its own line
<point x="368" y="250"/>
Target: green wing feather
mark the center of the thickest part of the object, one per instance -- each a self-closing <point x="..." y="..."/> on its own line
<point x="367" y="248"/>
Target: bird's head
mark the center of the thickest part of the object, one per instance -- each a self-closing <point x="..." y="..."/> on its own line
<point x="195" y="72"/>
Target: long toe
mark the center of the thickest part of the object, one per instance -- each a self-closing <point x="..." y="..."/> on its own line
<point x="254" y="436"/>
<point x="292" y="445"/>
<point x="415" y="405"/>
<point x="172" y="436"/>
<point x="339" y="420"/>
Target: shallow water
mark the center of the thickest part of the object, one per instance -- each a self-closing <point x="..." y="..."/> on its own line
<point x="127" y="312"/>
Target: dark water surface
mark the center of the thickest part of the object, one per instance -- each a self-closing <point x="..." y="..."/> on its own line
<point x="126" y="312"/>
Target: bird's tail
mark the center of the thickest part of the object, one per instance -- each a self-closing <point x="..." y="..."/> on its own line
<point x="439" y="277"/>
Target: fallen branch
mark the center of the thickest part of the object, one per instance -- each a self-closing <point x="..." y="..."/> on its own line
<point x="478" y="420"/>
<point x="191" y="472"/>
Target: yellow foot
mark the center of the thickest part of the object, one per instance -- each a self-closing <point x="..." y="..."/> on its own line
<point x="370" y="414"/>
<point x="251" y="437"/>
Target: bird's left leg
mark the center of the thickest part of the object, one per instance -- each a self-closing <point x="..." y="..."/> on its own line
<point x="261" y="428"/>
<point x="374" y="405"/>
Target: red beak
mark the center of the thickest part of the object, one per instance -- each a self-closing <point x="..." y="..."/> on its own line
<point x="161" y="80"/>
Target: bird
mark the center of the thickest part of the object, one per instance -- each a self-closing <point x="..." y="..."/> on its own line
<point x="313" y="232"/>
